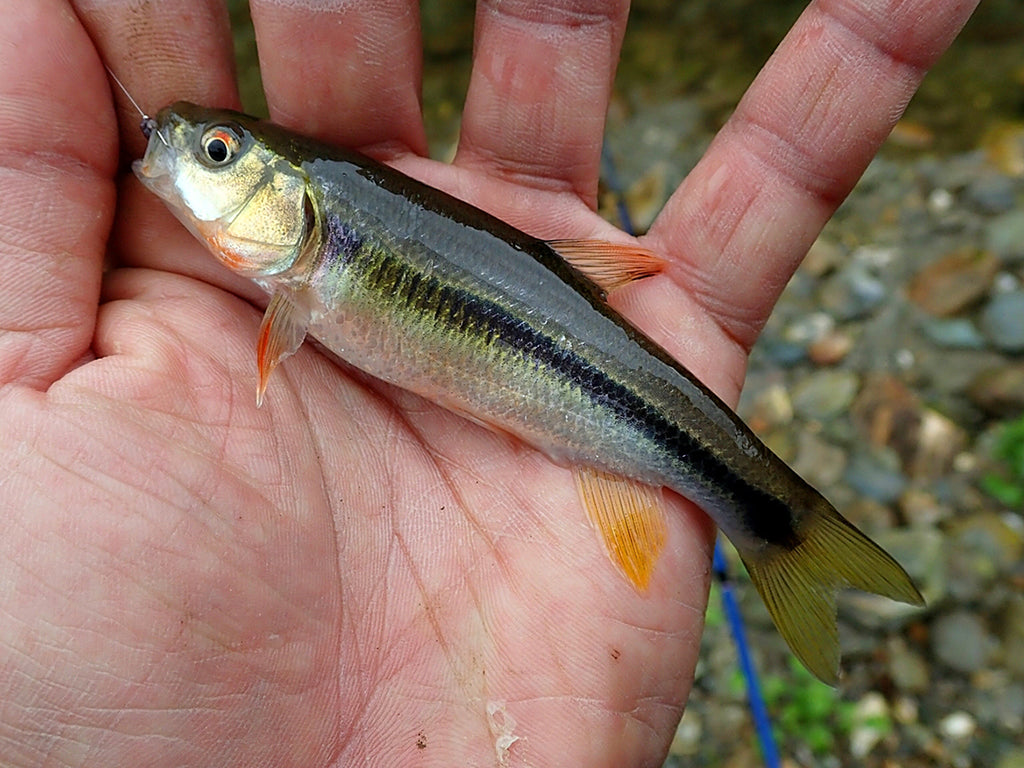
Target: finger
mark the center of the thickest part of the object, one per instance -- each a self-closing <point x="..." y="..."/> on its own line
<point x="743" y="219"/>
<point x="57" y="160"/>
<point x="163" y="52"/>
<point x="542" y="75"/>
<point x="344" y="72"/>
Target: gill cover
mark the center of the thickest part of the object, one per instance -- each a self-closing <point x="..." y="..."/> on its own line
<point x="248" y="203"/>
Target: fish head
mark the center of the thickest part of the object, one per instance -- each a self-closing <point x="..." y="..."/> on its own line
<point x="247" y="202"/>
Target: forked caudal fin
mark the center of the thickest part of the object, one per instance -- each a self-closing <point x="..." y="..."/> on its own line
<point x="799" y="584"/>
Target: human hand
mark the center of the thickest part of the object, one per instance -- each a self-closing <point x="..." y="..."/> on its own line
<point x="351" y="575"/>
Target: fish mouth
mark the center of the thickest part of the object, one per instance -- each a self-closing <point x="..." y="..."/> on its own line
<point x="156" y="168"/>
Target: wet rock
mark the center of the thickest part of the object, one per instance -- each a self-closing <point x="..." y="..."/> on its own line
<point x="808" y="329"/>
<point x="876" y="474"/>
<point x="825" y="394"/>
<point x="781" y="352"/>
<point x="687" y="740"/>
<point x="1002" y="320"/>
<point x="1000" y="390"/>
<point x="986" y="544"/>
<point x="890" y="415"/>
<point x="831" y="348"/>
<point x="954" y="282"/>
<point x="953" y="332"/>
<point x="991" y="194"/>
<point x="817" y="461"/>
<point x="771" y="408"/>
<point x="960" y="641"/>
<point x="907" y="668"/>
<point x="823" y="257"/>
<point x="920" y="507"/>
<point x="853" y="292"/>
<point x="870" y="723"/>
<point x="957" y="726"/>
<point x="1004" y="236"/>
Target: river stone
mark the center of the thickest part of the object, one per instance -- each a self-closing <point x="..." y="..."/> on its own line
<point x="1002" y="320"/>
<point x="1000" y="390"/>
<point x="954" y="282"/>
<point x="1004" y="236"/>
<point x="953" y="332"/>
<point x="991" y="194"/>
<point x="960" y="641"/>
<point x="825" y="394"/>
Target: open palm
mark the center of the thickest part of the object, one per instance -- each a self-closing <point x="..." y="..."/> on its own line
<point x="351" y="575"/>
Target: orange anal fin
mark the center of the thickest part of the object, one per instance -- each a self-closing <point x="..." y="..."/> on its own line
<point x="281" y="334"/>
<point x="630" y="518"/>
<point x="610" y="265"/>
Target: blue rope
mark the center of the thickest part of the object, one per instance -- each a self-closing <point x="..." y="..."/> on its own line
<point x="758" y="711"/>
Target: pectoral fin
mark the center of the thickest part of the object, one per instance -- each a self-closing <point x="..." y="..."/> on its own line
<point x="281" y="334"/>
<point x="610" y="265"/>
<point x="630" y="519"/>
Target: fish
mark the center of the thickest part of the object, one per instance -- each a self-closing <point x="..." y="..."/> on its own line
<point x="430" y="293"/>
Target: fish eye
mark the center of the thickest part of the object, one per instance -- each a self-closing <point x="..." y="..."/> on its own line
<point x="219" y="145"/>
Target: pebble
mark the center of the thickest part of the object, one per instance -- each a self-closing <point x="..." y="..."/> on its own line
<point x="825" y="394"/>
<point x="853" y="292"/>
<point x="823" y="257"/>
<point x="810" y="328"/>
<point x="870" y="723"/>
<point x="770" y="408"/>
<point x="876" y="474"/>
<point x="991" y="194"/>
<point x="1004" y="236"/>
<point x="687" y="739"/>
<point x="953" y="332"/>
<point x="957" y="725"/>
<point x="960" y="641"/>
<point x="907" y="668"/>
<point x="987" y="544"/>
<point x="999" y="390"/>
<point x="1002" y="320"/>
<point x="831" y="348"/>
<point x="817" y="461"/>
<point x="954" y="282"/>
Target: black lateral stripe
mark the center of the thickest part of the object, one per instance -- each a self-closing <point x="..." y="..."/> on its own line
<point x="454" y="310"/>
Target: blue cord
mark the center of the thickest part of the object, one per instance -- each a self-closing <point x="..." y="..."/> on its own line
<point x="758" y="711"/>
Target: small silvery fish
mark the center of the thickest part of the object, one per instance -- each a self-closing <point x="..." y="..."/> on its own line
<point x="427" y="292"/>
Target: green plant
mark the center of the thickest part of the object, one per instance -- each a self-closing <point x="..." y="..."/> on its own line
<point x="805" y="710"/>
<point x="1007" y="485"/>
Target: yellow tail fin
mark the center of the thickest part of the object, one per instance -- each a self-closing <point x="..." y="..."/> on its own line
<point x="799" y="584"/>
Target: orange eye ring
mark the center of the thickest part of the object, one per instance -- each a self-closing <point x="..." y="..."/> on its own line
<point x="219" y="146"/>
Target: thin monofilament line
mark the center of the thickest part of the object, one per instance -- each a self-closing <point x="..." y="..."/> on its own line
<point x="148" y="124"/>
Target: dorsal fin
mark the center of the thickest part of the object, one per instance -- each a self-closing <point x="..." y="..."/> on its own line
<point x="630" y="519"/>
<point x="610" y="265"/>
